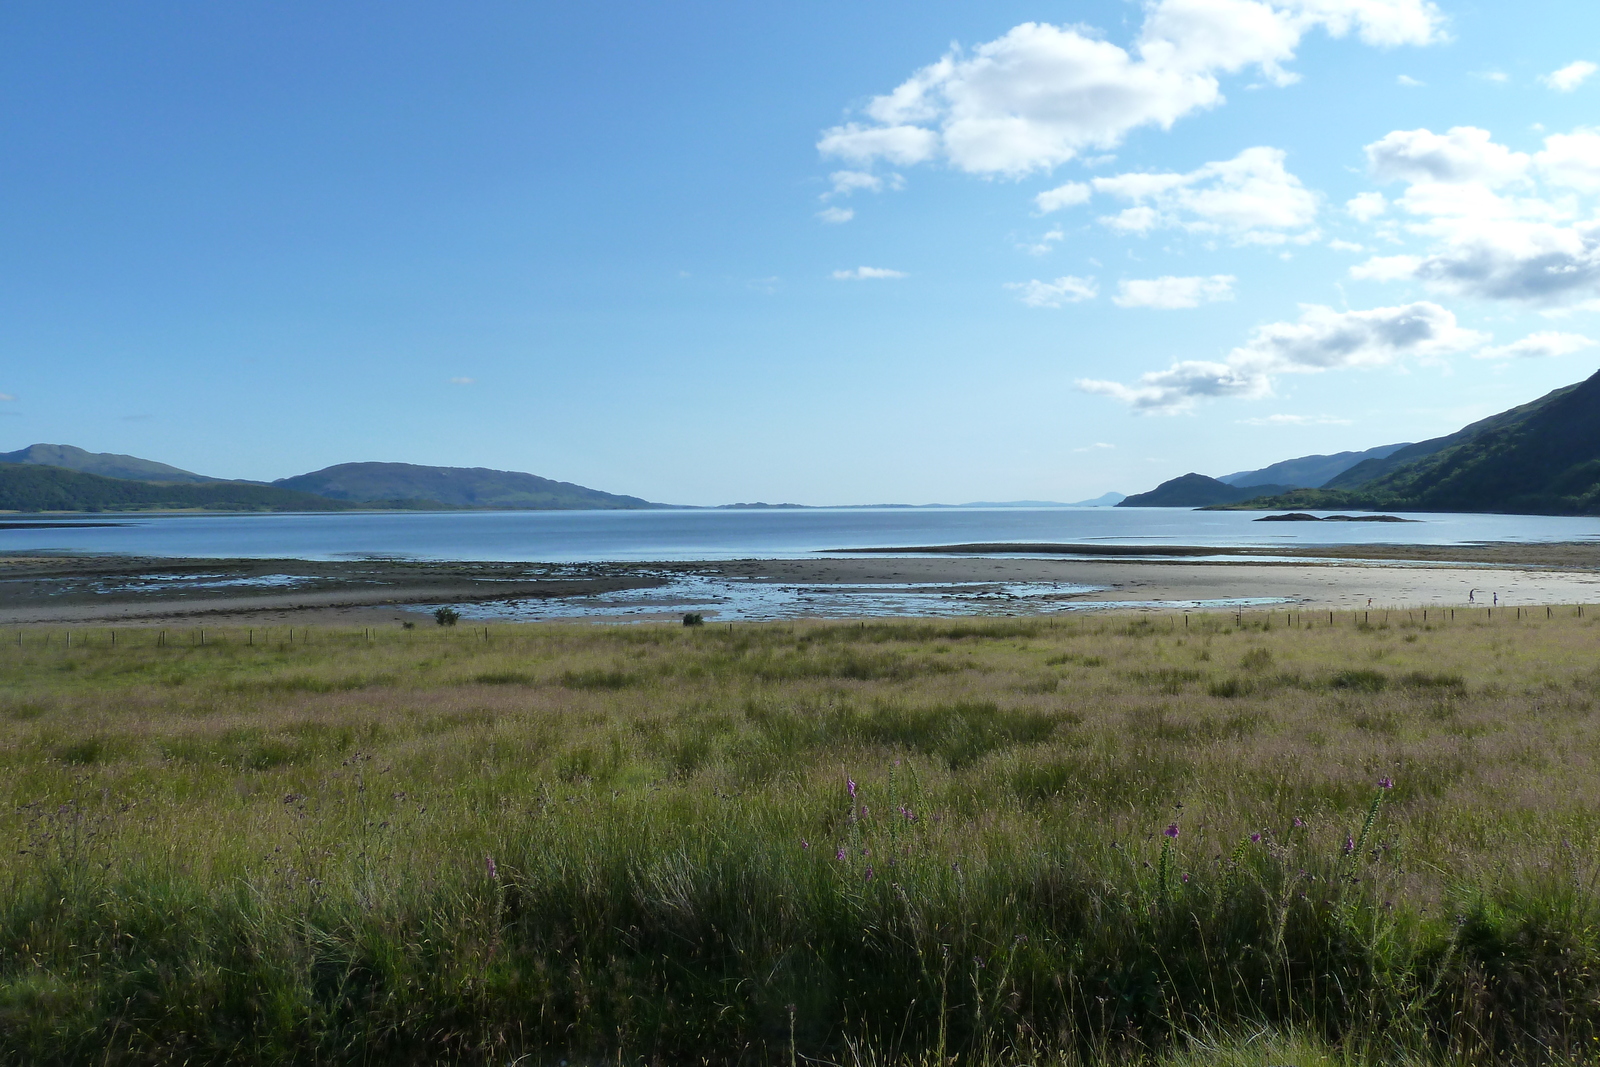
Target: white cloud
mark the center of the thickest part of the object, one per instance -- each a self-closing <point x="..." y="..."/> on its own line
<point x="1250" y="198"/>
<point x="860" y="274"/>
<point x="1571" y="160"/>
<point x="1366" y="206"/>
<point x="1065" y="290"/>
<point x="1044" y="244"/>
<point x="846" y="182"/>
<point x="836" y="215"/>
<point x="1540" y="345"/>
<point x="1169" y="293"/>
<point x="1409" y="82"/>
<point x="1345" y="246"/>
<point x="1069" y="195"/>
<point x="1321" y="340"/>
<point x="1296" y="420"/>
<point x="1097" y="446"/>
<point x="1498" y="76"/>
<point x="1042" y="94"/>
<point x="1464" y="155"/>
<point x="1570" y="76"/>
<point x="463" y="381"/>
<point x="1489" y="231"/>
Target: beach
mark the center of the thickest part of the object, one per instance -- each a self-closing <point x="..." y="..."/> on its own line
<point x="102" y="590"/>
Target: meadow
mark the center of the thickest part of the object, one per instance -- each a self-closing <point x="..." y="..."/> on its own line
<point x="1225" y="839"/>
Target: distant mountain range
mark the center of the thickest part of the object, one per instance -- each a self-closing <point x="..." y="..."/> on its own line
<point x="1308" y="472"/>
<point x="105" y="464"/>
<point x="43" y="487"/>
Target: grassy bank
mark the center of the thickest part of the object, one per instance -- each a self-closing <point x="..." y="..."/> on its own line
<point x="857" y="843"/>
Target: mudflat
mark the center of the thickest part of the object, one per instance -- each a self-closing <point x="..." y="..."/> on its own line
<point x="63" y="589"/>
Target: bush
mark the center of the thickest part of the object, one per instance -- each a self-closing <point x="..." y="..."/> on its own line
<point x="446" y="616"/>
<point x="694" y="618"/>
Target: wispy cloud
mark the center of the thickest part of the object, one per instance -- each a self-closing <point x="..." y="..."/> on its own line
<point x="1296" y="420"/>
<point x="1069" y="289"/>
<point x="1541" y="345"/>
<point x="861" y="274"/>
<point x="1096" y="447"/>
<point x="836" y="215"/>
<point x="1169" y="293"/>
<point x="463" y="381"/>
<point x="1409" y="82"/>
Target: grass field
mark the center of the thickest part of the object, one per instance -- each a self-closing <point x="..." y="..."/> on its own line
<point x="1219" y="840"/>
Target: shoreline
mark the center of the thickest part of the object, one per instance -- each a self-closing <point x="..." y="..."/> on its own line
<point x="947" y="581"/>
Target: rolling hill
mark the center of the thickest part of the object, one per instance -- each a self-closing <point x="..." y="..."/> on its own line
<point x="467" y="487"/>
<point x="105" y="464"/>
<point x="1195" y="491"/>
<point x="43" y="487"/>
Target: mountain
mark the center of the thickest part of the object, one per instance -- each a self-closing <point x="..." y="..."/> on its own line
<point x="1104" y="500"/>
<point x="105" y="464"/>
<point x="1197" y="491"/>
<point x="469" y="487"/>
<point x="41" y="487"/>
<point x="1541" y="458"/>
<point x="1309" y="472"/>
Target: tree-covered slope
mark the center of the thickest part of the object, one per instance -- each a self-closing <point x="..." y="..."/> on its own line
<point x="37" y="487"/>
<point x="1541" y="458"/>
<point x="470" y="487"/>
<point x="1309" y="472"/>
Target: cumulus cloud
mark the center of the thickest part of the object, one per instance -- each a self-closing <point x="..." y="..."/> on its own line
<point x="1065" y="290"/>
<point x="1465" y="154"/>
<point x="1320" y="340"/>
<point x="1366" y="206"/>
<point x="1499" y="224"/>
<point x="1570" y="76"/>
<point x="1043" y="244"/>
<point x="1540" y="345"/>
<point x="1346" y="246"/>
<point x="1409" y="82"/>
<point x="1296" y="420"/>
<point x="836" y="215"/>
<point x="1168" y="292"/>
<point x="861" y="274"/>
<point x="1043" y="94"/>
<point x="1250" y="198"/>
<point x="1069" y="195"/>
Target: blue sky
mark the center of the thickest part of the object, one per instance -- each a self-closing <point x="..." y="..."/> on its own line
<point x="1105" y="243"/>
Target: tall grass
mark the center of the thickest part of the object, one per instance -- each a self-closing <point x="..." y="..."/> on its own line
<point x="1081" y="840"/>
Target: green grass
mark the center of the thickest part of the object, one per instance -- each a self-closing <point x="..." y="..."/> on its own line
<point x="639" y="844"/>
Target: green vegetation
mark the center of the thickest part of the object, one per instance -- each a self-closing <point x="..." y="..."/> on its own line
<point x="35" y="487"/>
<point x="105" y="464"/>
<point x="1096" y="839"/>
<point x="1541" y="458"/>
<point x="467" y="487"/>
<point x="1196" y="490"/>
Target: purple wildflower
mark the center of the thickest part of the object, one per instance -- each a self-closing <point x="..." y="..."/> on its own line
<point x="864" y="812"/>
<point x="1255" y="839"/>
<point x="840" y="854"/>
<point x="910" y="816"/>
<point x="869" y="874"/>
<point x="850" y="784"/>
<point x="1186" y="879"/>
<point x="1171" y="830"/>
<point x="1349" y="845"/>
<point x="1385" y="782"/>
<point x="804" y="844"/>
<point x="1299" y="822"/>
<point x="488" y="864"/>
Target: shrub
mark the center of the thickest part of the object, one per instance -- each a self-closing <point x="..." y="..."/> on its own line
<point x="446" y="616"/>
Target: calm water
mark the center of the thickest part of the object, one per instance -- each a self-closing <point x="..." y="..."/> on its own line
<point x="599" y="536"/>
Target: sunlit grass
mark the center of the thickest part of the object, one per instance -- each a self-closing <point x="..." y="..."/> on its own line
<point x="588" y="843"/>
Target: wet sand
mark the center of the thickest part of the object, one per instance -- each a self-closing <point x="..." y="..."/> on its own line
<point x="44" y="590"/>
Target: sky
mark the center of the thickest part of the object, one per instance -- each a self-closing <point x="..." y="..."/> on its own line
<point x="827" y="253"/>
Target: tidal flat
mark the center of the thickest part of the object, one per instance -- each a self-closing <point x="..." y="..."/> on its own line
<point x="1244" y="838"/>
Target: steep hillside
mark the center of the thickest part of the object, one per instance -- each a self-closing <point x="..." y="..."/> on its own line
<point x="1542" y="458"/>
<point x="1197" y="491"/>
<point x="469" y="487"/>
<point x="105" y="464"/>
<point x="1309" y="472"/>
